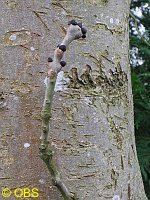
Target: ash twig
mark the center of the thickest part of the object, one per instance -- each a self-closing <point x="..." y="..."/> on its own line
<point x="74" y="31"/>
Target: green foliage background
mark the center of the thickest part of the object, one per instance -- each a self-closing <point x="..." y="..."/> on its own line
<point x="141" y="84"/>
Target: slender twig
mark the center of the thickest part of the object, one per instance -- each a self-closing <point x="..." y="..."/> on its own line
<point x="74" y="31"/>
<point x="137" y="28"/>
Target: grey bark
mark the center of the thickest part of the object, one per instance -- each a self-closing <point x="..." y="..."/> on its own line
<point x="92" y="127"/>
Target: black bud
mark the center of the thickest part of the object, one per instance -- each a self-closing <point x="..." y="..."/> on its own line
<point x="50" y="59"/>
<point x="58" y="45"/>
<point x="73" y="22"/>
<point x="83" y="36"/>
<point x="80" y="25"/>
<point x="83" y="30"/>
<point x="62" y="47"/>
<point x="62" y="63"/>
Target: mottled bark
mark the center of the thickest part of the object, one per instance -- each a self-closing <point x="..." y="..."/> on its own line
<point x="92" y="128"/>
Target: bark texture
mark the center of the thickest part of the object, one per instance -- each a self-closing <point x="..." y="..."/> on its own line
<point x="92" y="128"/>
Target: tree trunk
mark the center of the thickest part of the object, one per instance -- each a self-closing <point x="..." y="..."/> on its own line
<point x="92" y="127"/>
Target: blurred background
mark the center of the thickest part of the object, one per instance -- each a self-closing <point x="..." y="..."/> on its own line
<point x="140" y="65"/>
